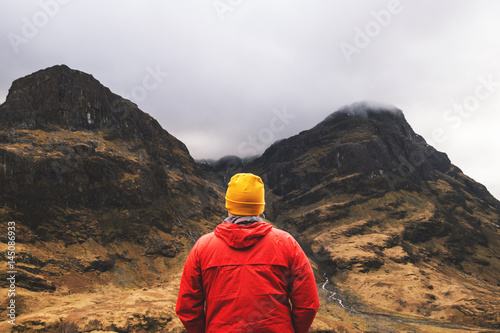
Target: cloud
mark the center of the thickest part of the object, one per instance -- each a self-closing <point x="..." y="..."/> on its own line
<point x="228" y="71"/>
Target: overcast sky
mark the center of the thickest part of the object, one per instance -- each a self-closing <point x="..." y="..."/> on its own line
<point x="232" y="76"/>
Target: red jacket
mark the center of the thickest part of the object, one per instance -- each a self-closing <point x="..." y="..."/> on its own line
<point x="243" y="279"/>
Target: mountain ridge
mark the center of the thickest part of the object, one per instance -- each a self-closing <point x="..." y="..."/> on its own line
<point x="108" y="205"/>
<point x="102" y="196"/>
<point x="365" y="194"/>
<point x="369" y="198"/>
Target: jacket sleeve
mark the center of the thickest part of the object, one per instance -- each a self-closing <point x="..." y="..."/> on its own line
<point x="303" y="291"/>
<point x="191" y="301"/>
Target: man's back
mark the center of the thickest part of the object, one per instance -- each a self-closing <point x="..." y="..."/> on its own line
<point x="249" y="274"/>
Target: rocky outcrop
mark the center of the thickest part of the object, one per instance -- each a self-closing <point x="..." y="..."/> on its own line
<point x="358" y="140"/>
<point x="84" y="169"/>
<point x="365" y="194"/>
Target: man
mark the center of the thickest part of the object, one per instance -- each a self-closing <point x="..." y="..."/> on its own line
<point x="243" y="276"/>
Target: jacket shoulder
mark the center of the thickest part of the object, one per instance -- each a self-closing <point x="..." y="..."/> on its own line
<point x="282" y="234"/>
<point x="204" y="240"/>
<point x="286" y="241"/>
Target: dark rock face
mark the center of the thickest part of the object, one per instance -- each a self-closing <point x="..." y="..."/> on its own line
<point x="81" y="145"/>
<point x="61" y="98"/>
<point x="365" y="194"/>
<point x="79" y="164"/>
<point x="354" y="140"/>
<point x="64" y="98"/>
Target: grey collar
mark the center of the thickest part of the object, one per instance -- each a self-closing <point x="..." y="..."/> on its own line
<point x="242" y="220"/>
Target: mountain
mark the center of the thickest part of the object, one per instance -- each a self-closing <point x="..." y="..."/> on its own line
<point x="392" y="222"/>
<point x="101" y="195"/>
<point x="107" y="205"/>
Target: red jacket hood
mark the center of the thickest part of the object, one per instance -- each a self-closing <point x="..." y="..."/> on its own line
<point x="242" y="236"/>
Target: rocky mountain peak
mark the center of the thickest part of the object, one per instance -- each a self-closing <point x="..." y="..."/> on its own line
<point x="56" y="85"/>
<point x="360" y="138"/>
<point x="381" y="115"/>
<point x="366" y="109"/>
<point x="101" y="194"/>
<point x="67" y="140"/>
<point x="374" y="205"/>
<point x="60" y="97"/>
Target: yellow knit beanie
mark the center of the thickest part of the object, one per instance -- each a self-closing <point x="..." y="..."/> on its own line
<point x="245" y="195"/>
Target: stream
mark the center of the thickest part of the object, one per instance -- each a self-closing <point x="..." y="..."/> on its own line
<point x="362" y="311"/>
<point x="332" y="295"/>
<point x="186" y="229"/>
